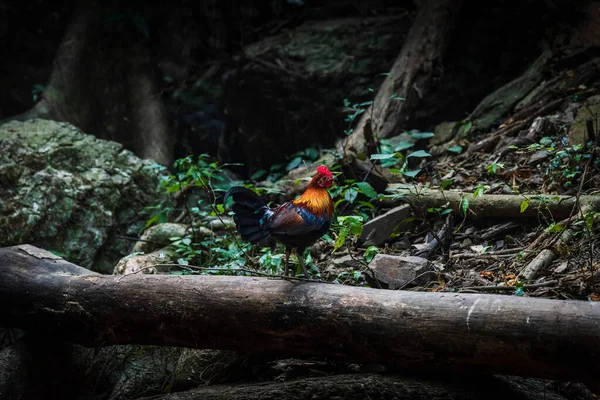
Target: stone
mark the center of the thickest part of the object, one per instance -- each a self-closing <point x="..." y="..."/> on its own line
<point x="578" y="131"/>
<point x="383" y="228"/>
<point x="346" y="261"/>
<point x="395" y="272"/>
<point x="72" y="193"/>
<point x="157" y="236"/>
<point x="147" y="263"/>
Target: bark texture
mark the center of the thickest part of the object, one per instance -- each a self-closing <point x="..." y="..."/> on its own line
<point x="419" y="331"/>
<point x="414" y="73"/>
<point x="374" y="386"/>
<point x="555" y="207"/>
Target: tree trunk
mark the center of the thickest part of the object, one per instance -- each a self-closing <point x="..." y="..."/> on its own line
<point x="414" y="73"/>
<point x="419" y="331"/>
<point x="89" y="97"/>
<point x="66" y="96"/>
<point x="153" y="138"/>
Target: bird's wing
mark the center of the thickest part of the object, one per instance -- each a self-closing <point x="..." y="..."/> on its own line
<point x="290" y="219"/>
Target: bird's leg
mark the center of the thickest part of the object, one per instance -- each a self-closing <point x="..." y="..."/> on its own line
<point x="300" y="253"/>
<point x="287" y="259"/>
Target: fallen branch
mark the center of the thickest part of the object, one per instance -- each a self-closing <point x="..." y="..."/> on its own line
<point x="462" y="332"/>
<point x="554" y="207"/>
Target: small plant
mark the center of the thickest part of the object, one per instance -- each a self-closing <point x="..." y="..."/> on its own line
<point x="370" y="253"/>
<point x="347" y="228"/>
<point x="494" y="167"/>
<point x="401" y="161"/>
<point x="357" y="109"/>
<point x="565" y="165"/>
<point x="199" y="247"/>
<point x="359" y="195"/>
<point x="37" y="91"/>
<point x="440" y="211"/>
<point x="479" y="190"/>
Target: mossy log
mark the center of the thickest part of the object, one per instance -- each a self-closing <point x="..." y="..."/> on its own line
<point x="554" y="207"/>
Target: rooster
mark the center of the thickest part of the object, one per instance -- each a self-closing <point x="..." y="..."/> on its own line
<point x="296" y="224"/>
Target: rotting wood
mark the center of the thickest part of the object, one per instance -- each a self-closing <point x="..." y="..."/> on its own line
<point x="420" y="331"/>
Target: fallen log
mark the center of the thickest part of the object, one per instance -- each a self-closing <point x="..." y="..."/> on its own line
<point x="554" y="207"/>
<point x="376" y="386"/>
<point x="472" y="333"/>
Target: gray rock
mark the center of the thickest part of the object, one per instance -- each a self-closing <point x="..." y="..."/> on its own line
<point x="149" y="263"/>
<point x="157" y="236"/>
<point x="538" y="157"/>
<point x="345" y="261"/>
<point x="71" y="193"/>
<point x="397" y="271"/>
<point x="381" y="229"/>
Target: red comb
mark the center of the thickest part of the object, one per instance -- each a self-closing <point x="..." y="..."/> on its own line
<point x="323" y="170"/>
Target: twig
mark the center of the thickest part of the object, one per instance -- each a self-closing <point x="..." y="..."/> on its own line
<point x="505" y="288"/>
<point x="417" y="277"/>
<point x="493" y="254"/>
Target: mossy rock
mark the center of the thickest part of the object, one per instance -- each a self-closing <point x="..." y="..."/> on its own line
<point x="71" y="193"/>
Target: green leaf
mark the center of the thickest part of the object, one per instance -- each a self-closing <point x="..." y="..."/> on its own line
<point x="421" y="135"/>
<point x="524" y="205"/>
<point x="341" y="239"/>
<point x="464" y="204"/>
<point x="467" y="126"/>
<point x="411" y="173"/>
<point x="312" y="153"/>
<point x="366" y="189"/>
<point x="258" y="174"/>
<point x="478" y="191"/>
<point x="455" y="149"/>
<point x="154" y="219"/>
<point x="419" y="153"/>
<point x="357" y="275"/>
<point x="370" y="253"/>
<point x="382" y="156"/>
<point x="337" y="203"/>
<point x="446" y="183"/>
<point x="403" y="146"/>
<point x="293" y="164"/>
<point x="350" y="195"/>
<point x="446" y="211"/>
<point x="353" y="223"/>
<point x="589" y="220"/>
<point x="555" y="228"/>
<point x="366" y="204"/>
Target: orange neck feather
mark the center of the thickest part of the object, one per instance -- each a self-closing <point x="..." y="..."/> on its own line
<point x="316" y="199"/>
